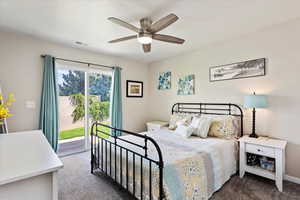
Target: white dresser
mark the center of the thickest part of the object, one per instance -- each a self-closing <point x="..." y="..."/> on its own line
<point x="28" y="167"/>
<point x="268" y="147"/>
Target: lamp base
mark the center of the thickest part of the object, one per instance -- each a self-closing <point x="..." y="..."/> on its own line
<point x="253" y="135"/>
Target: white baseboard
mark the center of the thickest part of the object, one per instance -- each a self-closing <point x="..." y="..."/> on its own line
<point x="292" y="179"/>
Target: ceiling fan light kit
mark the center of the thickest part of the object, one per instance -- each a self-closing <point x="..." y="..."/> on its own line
<point x="148" y="31"/>
<point x="145" y="38"/>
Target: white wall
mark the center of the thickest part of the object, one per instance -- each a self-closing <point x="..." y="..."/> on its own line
<point x="21" y="70"/>
<point x="280" y="45"/>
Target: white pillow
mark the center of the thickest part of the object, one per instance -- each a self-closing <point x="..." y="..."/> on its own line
<point x="178" y="117"/>
<point x="195" y="122"/>
<point x="182" y="122"/>
<point x="184" y="131"/>
<point x="201" y="126"/>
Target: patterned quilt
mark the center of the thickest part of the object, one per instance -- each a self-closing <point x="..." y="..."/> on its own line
<point x="194" y="168"/>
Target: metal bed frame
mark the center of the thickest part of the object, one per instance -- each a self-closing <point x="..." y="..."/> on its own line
<point x="211" y="109"/>
<point x="100" y="146"/>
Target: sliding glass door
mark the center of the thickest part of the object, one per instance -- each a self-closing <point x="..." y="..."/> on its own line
<point x="84" y="97"/>
<point x="99" y="97"/>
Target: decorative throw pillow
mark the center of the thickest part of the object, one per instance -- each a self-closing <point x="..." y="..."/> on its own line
<point x="184" y="131"/>
<point x="178" y="117"/>
<point x="195" y="121"/>
<point x="201" y="126"/>
<point x="182" y="122"/>
<point x="224" y="127"/>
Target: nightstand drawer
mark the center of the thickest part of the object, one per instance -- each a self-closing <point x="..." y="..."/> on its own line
<point x="260" y="150"/>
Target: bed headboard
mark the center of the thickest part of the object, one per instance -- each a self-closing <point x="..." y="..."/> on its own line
<point x="210" y="109"/>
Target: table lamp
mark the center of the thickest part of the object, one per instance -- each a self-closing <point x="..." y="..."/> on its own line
<point x="255" y="101"/>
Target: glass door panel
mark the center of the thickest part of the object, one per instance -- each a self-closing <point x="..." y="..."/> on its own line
<point x="71" y="98"/>
<point x="99" y="99"/>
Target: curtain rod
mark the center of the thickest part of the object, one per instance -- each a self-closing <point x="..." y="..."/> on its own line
<point x="76" y="61"/>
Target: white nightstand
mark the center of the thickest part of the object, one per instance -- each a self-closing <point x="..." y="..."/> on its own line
<point x="156" y="125"/>
<point x="268" y="147"/>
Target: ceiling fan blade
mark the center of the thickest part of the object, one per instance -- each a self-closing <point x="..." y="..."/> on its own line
<point x="163" y="23"/>
<point x="147" y="48"/>
<point x="124" y="24"/>
<point x="123" y="39"/>
<point x="168" y="38"/>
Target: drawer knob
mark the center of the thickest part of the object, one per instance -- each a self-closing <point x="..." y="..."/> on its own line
<point x="258" y="150"/>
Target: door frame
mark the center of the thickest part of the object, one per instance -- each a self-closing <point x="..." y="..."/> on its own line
<point x="87" y="72"/>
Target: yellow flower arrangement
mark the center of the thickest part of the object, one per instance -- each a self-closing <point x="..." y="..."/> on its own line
<point x="4" y="106"/>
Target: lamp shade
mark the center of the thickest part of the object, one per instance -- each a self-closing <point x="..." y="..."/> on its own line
<point x="255" y="101"/>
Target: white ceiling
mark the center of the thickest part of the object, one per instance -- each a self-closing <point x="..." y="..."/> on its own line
<point x="202" y="22"/>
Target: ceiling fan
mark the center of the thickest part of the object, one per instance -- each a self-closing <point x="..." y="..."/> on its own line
<point x="148" y="31"/>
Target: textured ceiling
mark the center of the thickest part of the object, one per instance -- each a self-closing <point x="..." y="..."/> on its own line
<point x="202" y="22"/>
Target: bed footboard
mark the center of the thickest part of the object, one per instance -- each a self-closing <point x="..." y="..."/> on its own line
<point x="108" y="154"/>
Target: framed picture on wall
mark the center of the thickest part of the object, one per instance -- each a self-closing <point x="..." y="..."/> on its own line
<point x="246" y="69"/>
<point x="186" y="85"/>
<point x="164" y="81"/>
<point x="134" y="89"/>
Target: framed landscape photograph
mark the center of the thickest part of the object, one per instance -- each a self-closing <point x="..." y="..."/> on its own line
<point x="246" y="69"/>
<point x="134" y="88"/>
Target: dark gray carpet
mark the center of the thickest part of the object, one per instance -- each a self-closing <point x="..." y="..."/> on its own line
<point x="77" y="183"/>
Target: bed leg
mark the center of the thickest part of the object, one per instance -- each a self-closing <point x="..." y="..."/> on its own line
<point x="161" y="193"/>
<point x="92" y="163"/>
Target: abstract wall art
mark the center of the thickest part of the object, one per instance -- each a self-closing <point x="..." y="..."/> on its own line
<point x="186" y="85"/>
<point x="164" y="80"/>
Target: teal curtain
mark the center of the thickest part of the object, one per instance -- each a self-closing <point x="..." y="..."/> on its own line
<point x="116" y="101"/>
<point x="49" y="103"/>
